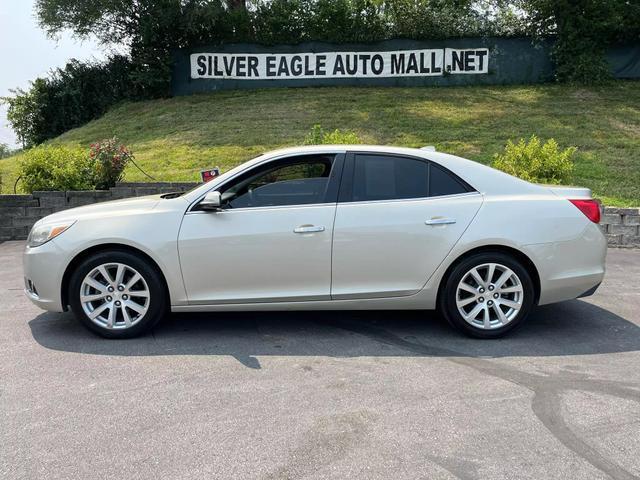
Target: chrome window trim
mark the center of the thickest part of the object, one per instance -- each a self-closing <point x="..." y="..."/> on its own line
<point x="270" y="207"/>
<point x="414" y="199"/>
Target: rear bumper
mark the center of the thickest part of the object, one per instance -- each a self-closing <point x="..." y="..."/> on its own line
<point x="589" y="292"/>
<point x="570" y="269"/>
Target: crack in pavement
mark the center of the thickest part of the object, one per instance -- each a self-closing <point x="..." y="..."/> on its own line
<point x="547" y="390"/>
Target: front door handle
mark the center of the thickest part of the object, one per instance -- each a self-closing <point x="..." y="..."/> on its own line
<point x="440" y="221"/>
<point x="308" y="229"/>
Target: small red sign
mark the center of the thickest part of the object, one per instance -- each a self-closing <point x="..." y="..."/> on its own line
<point x="210" y="174"/>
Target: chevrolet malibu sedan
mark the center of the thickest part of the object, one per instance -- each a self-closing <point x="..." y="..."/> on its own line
<point x="324" y="228"/>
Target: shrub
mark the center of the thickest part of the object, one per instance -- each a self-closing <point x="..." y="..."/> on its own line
<point x="317" y="136"/>
<point x="109" y="158"/>
<point x="54" y="167"/>
<point x="534" y="162"/>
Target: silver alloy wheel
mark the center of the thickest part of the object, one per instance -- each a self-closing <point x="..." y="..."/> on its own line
<point x="489" y="296"/>
<point x="114" y="296"/>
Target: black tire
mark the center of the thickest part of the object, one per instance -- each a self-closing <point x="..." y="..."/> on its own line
<point x="157" y="305"/>
<point x="447" y="300"/>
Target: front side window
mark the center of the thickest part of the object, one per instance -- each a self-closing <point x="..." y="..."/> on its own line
<point x="297" y="181"/>
<point x="380" y="177"/>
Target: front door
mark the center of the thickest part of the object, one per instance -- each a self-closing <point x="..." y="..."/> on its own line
<point x="397" y="219"/>
<point x="272" y="239"/>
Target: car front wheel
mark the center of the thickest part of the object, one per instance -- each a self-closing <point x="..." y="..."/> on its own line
<point x="487" y="295"/>
<point x="116" y="294"/>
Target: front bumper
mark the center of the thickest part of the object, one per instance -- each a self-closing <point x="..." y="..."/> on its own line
<point x="43" y="271"/>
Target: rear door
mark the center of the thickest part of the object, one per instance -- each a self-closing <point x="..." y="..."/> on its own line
<point x="397" y="219"/>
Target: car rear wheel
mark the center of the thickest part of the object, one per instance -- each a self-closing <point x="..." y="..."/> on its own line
<point x="116" y="294"/>
<point x="487" y="295"/>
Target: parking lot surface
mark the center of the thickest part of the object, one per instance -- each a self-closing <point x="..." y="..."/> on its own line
<point x="338" y="395"/>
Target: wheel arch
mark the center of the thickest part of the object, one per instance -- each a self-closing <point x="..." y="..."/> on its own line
<point x="527" y="263"/>
<point x="84" y="254"/>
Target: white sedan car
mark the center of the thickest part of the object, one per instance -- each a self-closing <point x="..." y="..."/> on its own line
<point x="324" y="227"/>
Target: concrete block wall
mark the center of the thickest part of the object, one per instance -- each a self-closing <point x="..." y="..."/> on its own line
<point x="18" y="213"/>
<point x="621" y="226"/>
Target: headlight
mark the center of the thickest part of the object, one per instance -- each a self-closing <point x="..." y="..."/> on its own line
<point x="43" y="233"/>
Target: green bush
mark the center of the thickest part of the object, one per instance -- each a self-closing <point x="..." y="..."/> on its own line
<point x="109" y="159"/>
<point x="535" y="162"/>
<point x="317" y="136"/>
<point x="54" y="167"/>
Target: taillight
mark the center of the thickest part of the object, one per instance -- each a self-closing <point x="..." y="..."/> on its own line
<point x="590" y="208"/>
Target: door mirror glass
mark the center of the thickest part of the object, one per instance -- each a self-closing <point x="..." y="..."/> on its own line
<point x="212" y="201"/>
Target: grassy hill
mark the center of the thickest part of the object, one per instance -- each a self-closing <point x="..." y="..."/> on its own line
<point x="174" y="138"/>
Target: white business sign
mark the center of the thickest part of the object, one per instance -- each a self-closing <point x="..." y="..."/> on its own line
<point x="399" y="63"/>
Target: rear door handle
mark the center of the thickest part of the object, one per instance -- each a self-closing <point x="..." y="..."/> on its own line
<point x="308" y="229"/>
<point x="440" y="221"/>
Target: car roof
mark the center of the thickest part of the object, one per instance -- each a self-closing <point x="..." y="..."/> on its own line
<point x="344" y="148"/>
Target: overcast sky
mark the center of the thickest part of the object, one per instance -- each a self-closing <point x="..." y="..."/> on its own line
<point x="26" y="53"/>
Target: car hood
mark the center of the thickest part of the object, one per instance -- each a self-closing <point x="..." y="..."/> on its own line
<point x="126" y="206"/>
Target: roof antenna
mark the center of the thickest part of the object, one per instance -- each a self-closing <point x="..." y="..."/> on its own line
<point x="428" y="148"/>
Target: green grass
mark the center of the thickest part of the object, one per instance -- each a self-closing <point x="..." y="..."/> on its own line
<point x="173" y="139"/>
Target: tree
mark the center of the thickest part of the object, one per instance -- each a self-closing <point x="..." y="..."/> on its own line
<point x="23" y="112"/>
<point x="238" y="4"/>
<point x="5" y="151"/>
<point x="67" y="98"/>
<point x="584" y="29"/>
<point x="149" y="28"/>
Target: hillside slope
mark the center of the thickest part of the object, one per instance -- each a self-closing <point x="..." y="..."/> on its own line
<point x="174" y="138"/>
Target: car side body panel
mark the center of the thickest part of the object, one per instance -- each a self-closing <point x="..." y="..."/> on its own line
<point x="567" y="250"/>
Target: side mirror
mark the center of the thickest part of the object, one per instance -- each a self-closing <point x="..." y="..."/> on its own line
<point x="211" y="202"/>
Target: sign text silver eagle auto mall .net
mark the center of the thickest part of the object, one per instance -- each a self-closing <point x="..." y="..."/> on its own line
<point x="399" y="63"/>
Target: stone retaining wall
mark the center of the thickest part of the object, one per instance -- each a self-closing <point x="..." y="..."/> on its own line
<point x="621" y="226"/>
<point x="18" y="213"/>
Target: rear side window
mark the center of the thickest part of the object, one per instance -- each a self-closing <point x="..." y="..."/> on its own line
<point x="380" y="177"/>
<point x="442" y="182"/>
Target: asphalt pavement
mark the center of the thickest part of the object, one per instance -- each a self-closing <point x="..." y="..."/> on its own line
<point x="324" y="395"/>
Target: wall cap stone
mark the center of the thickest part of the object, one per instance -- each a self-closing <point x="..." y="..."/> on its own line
<point x="622" y="211"/>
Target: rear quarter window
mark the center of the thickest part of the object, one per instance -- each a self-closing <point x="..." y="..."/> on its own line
<point x="443" y="182"/>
